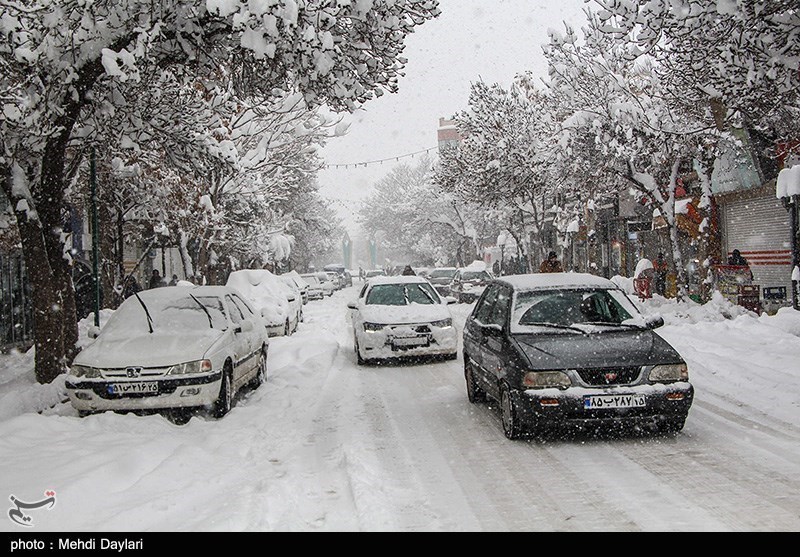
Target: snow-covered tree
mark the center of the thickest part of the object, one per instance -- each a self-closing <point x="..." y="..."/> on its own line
<point x="62" y="62"/>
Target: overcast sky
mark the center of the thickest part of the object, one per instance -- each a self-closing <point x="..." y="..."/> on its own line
<point x="471" y="40"/>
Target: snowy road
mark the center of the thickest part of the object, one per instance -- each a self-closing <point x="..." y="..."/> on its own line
<point x="328" y="445"/>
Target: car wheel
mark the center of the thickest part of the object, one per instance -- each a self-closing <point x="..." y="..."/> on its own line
<point x="261" y="372"/>
<point x="287" y="329"/>
<point x="302" y="317"/>
<point x="361" y="361"/>
<point x="179" y="416"/>
<point x="512" y="426"/>
<point x="225" y="399"/>
<point x="673" y="425"/>
<point x="474" y="393"/>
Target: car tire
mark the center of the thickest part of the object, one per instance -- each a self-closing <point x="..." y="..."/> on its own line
<point x="361" y="361"/>
<point x="261" y="372"/>
<point x="179" y="416"/>
<point x="224" y="401"/>
<point x="512" y="426"/>
<point x="451" y="357"/>
<point x="302" y="317"/>
<point x="287" y="329"/>
<point x="474" y="393"/>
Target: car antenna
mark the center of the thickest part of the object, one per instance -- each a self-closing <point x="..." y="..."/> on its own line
<point x="205" y="309"/>
<point x="147" y="313"/>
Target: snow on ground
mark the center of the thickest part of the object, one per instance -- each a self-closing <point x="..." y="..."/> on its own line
<point x="310" y="450"/>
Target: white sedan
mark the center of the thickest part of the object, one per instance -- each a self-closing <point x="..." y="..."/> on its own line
<point x="402" y="316"/>
<point x="172" y="348"/>
<point x="279" y="305"/>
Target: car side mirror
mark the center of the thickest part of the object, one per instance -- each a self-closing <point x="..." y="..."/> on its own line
<point x="352" y="305"/>
<point x="493" y="329"/>
<point x="450" y="300"/>
<point x="654" y="322"/>
<point x="291" y="298"/>
<point x="94" y="331"/>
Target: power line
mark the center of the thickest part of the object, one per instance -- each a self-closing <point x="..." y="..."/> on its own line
<point x="365" y="164"/>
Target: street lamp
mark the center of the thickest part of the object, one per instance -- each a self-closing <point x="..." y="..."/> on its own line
<point x="788" y="191"/>
<point x="502" y="239"/>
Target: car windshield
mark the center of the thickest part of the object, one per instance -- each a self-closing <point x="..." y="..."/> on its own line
<point x="183" y="313"/>
<point x="442" y="273"/>
<point x="566" y="308"/>
<point x="402" y="295"/>
<point x="475" y="275"/>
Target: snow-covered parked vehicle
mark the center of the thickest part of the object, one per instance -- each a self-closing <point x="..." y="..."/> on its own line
<point x="401" y="316"/>
<point x="565" y="350"/>
<point x="171" y="349"/>
<point x="468" y="284"/>
<point x="279" y="304"/>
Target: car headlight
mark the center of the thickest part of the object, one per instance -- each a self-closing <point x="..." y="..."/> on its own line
<point x="372" y="327"/>
<point x="199" y="366"/>
<point x="85" y="372"/>
<point x="444" y="323"/>
<point x="546" y="379"/>
<point x="669" y="372"/>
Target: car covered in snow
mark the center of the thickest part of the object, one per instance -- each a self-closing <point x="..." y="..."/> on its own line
<point x="401" y="316"/>
<point x="329" y="283"/>
<point x="279" y="304"/>
<point x="294" y="281"/>
<point x="566" y="350"/>
<point x="315" y="290"/>
<point x="440" y="278"/>
<point x="171" y="349"/>
<point x="468" y="284"/>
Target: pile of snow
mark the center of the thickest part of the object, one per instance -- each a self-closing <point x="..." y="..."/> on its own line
<point x="718" y="309"/>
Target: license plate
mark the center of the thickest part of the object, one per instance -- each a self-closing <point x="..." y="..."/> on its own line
<point x="135" y="388"/>
<point x="601" y="402"/>
<point x="413" y="341"/>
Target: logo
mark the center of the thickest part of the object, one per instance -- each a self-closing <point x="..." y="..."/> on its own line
<point x="17" y="514"/>
<point x="611" y="377"/>
<point x="133" y="371"/>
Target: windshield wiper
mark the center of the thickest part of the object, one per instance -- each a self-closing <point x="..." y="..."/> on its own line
<point x="205" y="309"/>
<point x="612" y="324"/>
<point x="554" y="326"/>
<point x="147" y="313"/>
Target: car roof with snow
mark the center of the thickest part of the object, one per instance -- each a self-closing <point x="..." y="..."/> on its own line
<point x="398" y="279"/>
<point x="549" y="281"/>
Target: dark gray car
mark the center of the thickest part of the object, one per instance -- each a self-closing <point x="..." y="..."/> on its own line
<point x="564" y="350"/>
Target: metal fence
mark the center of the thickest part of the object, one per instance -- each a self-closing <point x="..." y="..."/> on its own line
<point x="16" y="309"/>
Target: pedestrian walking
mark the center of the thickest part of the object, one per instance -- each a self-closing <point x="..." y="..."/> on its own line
<point x="551" y="264"/>
<point x="660" y="274"/>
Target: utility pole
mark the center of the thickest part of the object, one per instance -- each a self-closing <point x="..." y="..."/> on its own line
<point x="95" y="238"/>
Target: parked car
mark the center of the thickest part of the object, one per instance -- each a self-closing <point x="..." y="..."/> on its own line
<point x="468" y="284"/>
<point x="315" y="290"/>
<point x="336" y="279"/>
<point x="328" y="286"/>
<point x="401" y="316"/>
<point x="440" y="278"/>
<point x="567" y="349"/>
<point x="279" y="305"/>
<point x="345" y="277"/>
<point x="172" y="349"/>
<point x="297" y="283"/>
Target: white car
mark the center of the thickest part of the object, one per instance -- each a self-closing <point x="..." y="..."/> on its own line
<point x="279" y="305"/>
<point x="296" y="283"/>
<point x="402" y="316"/>
<point x="315" y="290"/>
<point x="172" y="349"/>
<point x="328" y="286"/>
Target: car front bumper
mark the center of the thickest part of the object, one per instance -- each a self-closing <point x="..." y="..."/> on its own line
<point x="90" y="395"/>
<point x="552" y="408"/>
<point x="441" y="341"/>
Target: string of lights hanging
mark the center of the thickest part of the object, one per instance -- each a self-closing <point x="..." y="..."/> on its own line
<point x="366" y="164"/>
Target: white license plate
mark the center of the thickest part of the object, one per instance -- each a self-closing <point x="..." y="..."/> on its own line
<point x="413" y="341"/>
<point x="601" y="402"/>
<point x="134" y="388"/>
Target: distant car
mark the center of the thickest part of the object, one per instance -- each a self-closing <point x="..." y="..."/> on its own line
<point x="315" y="290"/>
<point x="345" y="277"/>
<point x="296" y="282"/>
<point x="336" y="279"/>
<point x="468" y="284"/>
<point x="440" y="278"/>
<point x="172" y="349"/>
<point x="375" y="273"/>
<point x="279" y="305"/>
<point x="563" y="350"/>
<point x="327" y="283"/>
<point x="401" y="316"/>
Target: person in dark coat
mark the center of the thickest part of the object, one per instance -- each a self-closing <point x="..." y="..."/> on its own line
<point x="174" y="281"/>
<point x="737" y="259"/>
<point x="660" y="269"/>
<point x="131" y="287"/>
<point x="156" y="280"/>
<point x="409" y="272"/>
<point x="551" y="264"/>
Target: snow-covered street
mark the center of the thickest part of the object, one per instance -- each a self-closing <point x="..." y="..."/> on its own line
<point x="327" y="445"/>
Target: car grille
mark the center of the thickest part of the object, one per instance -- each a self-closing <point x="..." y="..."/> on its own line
<point x="419" y="329"/>
<point x="610" y="376"/>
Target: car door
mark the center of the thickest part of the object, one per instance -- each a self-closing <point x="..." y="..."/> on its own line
<point x="496" y="348"/>
<point x="476" y="335"/>
<point x="241" y="344"/>
<point x="257" y="336"/>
